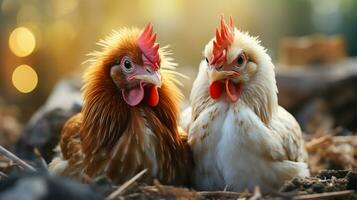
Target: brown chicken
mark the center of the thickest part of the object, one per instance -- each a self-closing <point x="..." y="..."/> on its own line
<point x="129" y="120"/>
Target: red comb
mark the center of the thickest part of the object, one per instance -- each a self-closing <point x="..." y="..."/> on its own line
<point x="224" y="38"/>
<point x="150" y="49"/>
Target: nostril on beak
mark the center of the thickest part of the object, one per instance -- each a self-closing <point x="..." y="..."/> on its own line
<point x="148" y="70"/>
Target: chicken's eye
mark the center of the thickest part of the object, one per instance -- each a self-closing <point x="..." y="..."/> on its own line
<point x="206" y="59"/>
<point x="127" y="64"/>
<point x="241" y="60"/>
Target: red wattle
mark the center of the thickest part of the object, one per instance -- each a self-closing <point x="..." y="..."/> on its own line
<point x="215" y="89"/>
<point x="153" y="96"/>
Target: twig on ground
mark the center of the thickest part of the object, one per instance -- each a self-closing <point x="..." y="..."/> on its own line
<point x="158" y="185"/>
<point x="317" y="143"/>
<point x="346" y="139"/>
<point x="220" y="194"/>
<point x="225" y="188"/>
<point x="3" y="174"/>
<point x="325" y="195"/>
<point x="257" y="194"/>
<point x="16" y="159"/>
<point x="42" y="160"/>
<point x="125" y="186"/>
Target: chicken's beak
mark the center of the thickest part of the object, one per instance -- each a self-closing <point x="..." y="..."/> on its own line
<point x="148" y="76"/>
<point x="220" y="75"/>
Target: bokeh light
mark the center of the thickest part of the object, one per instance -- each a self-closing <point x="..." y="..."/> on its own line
<point x="22" y="42"/>
<point x="24" y="78"/>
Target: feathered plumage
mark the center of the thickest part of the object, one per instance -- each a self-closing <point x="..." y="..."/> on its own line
<point x="121" y="130"/>
<point x="239" y="135"/>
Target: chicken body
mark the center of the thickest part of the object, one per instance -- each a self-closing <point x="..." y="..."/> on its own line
<point x="239" y="135"/>
<point x="122" y="128"/>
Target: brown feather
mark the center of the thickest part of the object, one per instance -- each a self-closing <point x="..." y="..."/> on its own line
<point x="112" y="134"/>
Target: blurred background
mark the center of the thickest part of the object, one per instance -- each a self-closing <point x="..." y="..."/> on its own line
<point x="42" y="42"/>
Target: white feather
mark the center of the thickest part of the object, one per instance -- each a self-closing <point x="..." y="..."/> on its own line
<point x="233" y="147"/>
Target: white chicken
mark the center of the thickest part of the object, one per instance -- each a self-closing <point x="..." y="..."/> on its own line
<point x="239" y="135"/>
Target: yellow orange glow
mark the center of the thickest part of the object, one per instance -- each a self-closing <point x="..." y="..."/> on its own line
<point x="24" y="78"/>
<point x="22" y="42"/>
